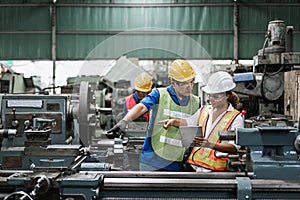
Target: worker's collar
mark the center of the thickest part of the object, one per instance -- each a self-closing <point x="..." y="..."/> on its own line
<point x="183" y="102"/>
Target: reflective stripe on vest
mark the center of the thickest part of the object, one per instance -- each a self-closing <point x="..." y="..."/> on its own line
<point x="205" y="157"/>
<point x="130" y="103"/>
<point x="167" y="143"/>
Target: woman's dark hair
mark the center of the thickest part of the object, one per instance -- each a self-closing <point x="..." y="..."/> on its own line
<point x="233" y="99"/>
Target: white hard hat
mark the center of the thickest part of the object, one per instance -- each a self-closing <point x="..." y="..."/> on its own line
<point x="219" y="82"/>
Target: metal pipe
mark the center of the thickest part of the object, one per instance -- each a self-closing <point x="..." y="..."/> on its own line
<point x="53" y="25"/>
<point x="112" y="4"/>
<point x="130" y="5"/>
<point x="145" y="32"/>
<point x="210" y="184"/>
<point x="236" y="32"/>
<point x="171" y="175"/>
<point x="289" y="39"/>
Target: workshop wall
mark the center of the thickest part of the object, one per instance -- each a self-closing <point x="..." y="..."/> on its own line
<point x="159" y="29"/>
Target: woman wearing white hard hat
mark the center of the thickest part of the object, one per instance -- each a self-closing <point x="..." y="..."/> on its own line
<point x="222" y="114"/>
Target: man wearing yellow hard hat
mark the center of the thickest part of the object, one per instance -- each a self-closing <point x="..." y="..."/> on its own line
<point x="142" y="86"/>
<point x="162" y="149"/>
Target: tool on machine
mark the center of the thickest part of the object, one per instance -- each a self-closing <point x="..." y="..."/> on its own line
<point x="42" y="182"/>
<point x="41" y="186"/>
<point x="6" y="133"/>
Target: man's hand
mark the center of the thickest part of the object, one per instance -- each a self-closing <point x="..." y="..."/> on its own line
<point x="119" y="127"/>
<point x="166" y="123"/>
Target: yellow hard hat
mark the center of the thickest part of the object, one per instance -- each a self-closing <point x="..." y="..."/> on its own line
<point x="181" y="71"/>
<point x="143" y="82"/>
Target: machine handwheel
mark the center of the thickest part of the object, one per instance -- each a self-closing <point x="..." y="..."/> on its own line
<point x="83" y="112"/>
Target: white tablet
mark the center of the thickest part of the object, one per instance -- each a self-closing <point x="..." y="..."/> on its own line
<point x="188" y="133"/>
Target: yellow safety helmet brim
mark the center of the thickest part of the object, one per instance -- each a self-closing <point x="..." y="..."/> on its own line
<point x="181" y="71"/>
<point x="143" y="82"/>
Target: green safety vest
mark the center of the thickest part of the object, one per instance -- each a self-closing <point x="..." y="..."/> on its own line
<point x="167" y="143"/>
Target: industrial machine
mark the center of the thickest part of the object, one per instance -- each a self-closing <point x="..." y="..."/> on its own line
<point x="51" y="149"/>
<point x="11" y="82"/>
<point x="43" y="130"/>
<point x="110" y="89"/>
<point x="267" y="168"/>
<point x="264" y="85"/>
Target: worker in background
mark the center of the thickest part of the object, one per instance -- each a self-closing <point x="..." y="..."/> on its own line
<point x="162" y="149"/>
<point x="4" y="70"/>
<point x="222" y="114"/>
<point x="142" y="86"/>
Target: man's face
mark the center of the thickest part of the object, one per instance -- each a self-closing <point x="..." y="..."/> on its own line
<point x="183" y="89"/>
<point x="141" y="95"/>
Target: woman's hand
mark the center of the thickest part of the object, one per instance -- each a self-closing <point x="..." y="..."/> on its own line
<point x="203" y="142"/>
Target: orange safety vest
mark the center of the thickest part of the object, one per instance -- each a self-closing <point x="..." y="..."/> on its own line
<point x="130" y="103"/>
<point x="206" y="157"/>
